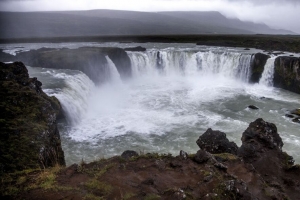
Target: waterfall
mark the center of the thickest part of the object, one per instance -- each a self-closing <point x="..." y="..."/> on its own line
<point x="71" y="87"/>
<point x="268" y="73"/>
<point x="113" y="71"/>
<point x="169" y="62"/>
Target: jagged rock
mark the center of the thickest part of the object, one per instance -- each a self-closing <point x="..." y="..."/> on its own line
<point x="260" y="135"/>
<point x="201" y="156"/>
<point x="238" y="189"/>
<point x="253" y="107"/>
<point x="257" y="67"/>
<point x="289" y="116"/>
<point x="287" y="73"/>
<point x="262" y="148"/>
<point x="220" y="166"/>
<point x="129" y="154"/>
<point x="216" y="142"/>
<point x="183" y="154"/>
<point x="138" y="48"/>
<point x="296" y="120"/>
<point x="29" y="137"/>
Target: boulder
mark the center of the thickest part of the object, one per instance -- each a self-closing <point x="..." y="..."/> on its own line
<point x="201" y="156"/>
<point x="129" y="154"/>
<point x="257" y="66"/>
<point x="262" y="150"/>
<point x="29" y="137"/>
<point x="253" y="107"/>
<point x="261" y="134"/>
<point x="216" y="142"/>
<point x="287" y="73"/>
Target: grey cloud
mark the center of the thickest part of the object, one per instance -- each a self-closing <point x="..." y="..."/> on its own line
<point x="264" y="2"/>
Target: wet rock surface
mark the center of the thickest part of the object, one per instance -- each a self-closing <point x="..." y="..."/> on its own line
<point x="29" y="137"/>
<point x="253" y="107"/>
<point x="287" y="73"/>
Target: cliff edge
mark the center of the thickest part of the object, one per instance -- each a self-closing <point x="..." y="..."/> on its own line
<point x="29" y="137"/>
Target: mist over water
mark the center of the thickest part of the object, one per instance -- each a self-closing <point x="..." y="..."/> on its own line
<point x="174" y="96"/>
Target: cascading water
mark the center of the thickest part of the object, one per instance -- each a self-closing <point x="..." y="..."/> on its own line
<point x="71" y="87"/>
<point x="113" y="72"/>
<point x="268" y="73"/>
<point x="174" y="95"/>
<point x="228" y="64"/>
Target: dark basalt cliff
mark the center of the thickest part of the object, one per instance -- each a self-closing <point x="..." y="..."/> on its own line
<point x="257" y="67"/>
<point x="29" y="137"/>
<point x="92" y="61"/>
<point x="89" y="60"/>
<point x="287" y="73"/>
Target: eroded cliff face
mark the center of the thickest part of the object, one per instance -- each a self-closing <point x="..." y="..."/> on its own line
<point x="29" y="137"/>
<point x="257" y="67"/>
<point x="287" y="73"/>
<point x="90" y="60"/>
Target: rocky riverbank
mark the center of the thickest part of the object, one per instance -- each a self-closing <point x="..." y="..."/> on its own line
<point x="29" y="137"/>
<point x="259" y="169"/>
<point x="32" y="160"/>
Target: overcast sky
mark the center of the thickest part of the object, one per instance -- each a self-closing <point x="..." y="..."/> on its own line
<point x="275" y="13"/>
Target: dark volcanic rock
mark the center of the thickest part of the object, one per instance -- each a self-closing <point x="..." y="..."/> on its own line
<point x="138" y="48"/>
<point x="258" y="66"/>
<point x="128" y="154"/>
<point x="289" y="116"/>
<point x="296" y="120"/>
<point x="287" y="73"/>
<point x="253" y="107"/>
<point x="216" y="142"/>
<point x="262" y="133"/>
<point x="262" y="149"/>
<point x="201" y="156"/>
<point x="29" y="137"/>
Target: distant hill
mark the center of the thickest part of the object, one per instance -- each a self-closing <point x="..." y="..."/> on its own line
<point x="112" y="22"/>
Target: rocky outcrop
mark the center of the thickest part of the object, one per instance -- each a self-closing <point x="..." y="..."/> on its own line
<point x="29" y="137"/>
<point x="269" y="174"/>
<point x="89" y="60"/>
<point x="257" y="66"/>
<point x="258" y="138"/>
<point x="287" y="73"/>
<point x="216" y="142"/>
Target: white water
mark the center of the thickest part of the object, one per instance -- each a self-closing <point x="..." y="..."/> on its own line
<point x="268" y="73"/>
<point x="173" y="97"/>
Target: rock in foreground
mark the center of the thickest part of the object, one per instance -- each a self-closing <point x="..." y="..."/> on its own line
<point x="269" y="174"/>
<point x="29" y="137"/>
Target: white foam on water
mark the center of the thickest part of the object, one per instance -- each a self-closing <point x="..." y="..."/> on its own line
<point x="172" y="98"/>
